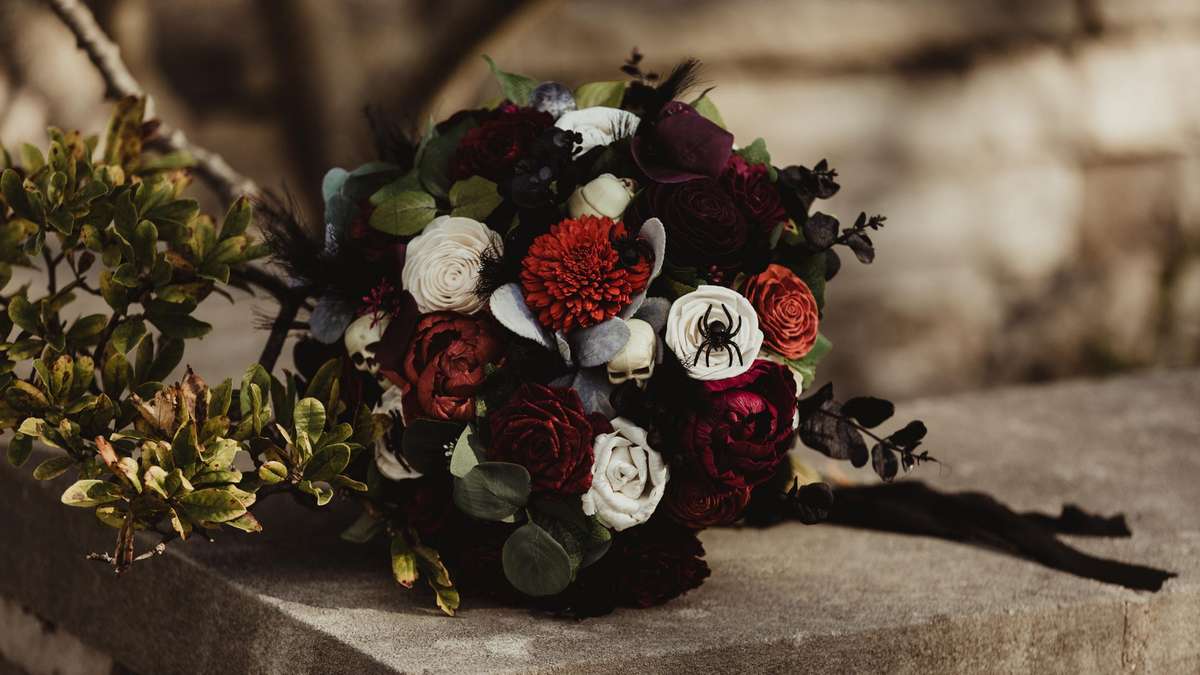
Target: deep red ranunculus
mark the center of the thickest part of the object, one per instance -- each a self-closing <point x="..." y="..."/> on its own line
<point x="573" y="276"/>
<point x="443" y="367"/>
<point x="545" y="430"/>
<point x="682" y="146"/>
<point x="787" y="310"/>
<point x="491" y="149"/>
<point x="695" y="500"/>
<point x="705" y="228"/>
<point x="745" y="429"/>
<point x="752" y="190"/>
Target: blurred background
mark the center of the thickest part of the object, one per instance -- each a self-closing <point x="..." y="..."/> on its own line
<point x="1038" y="160"/>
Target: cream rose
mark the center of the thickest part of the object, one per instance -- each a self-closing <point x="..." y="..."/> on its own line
<point x="628" y="477"/>
<point x="598" y="125"/>
<point x="707" y="362"/>
<point x="441" y="265"/>
<point x="605" y="195"/>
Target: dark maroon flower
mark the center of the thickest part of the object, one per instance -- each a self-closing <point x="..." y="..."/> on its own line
<point x="682" y="146"/>
<point x="426" y="502"/>
<point x="695" y="500"/>
<point x="492" y="148"/>
<point x="647" y="565"/>
<point x="443" y="366"/>
<point x="751" y="188"/>
<point x="704" y="226"/>
<point x="745" y="429"/>
<point x="545" y="430"/>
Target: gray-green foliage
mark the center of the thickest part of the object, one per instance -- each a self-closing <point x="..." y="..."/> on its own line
<point x="105" y="219"/>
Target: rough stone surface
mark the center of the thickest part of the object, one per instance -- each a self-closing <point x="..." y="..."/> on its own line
<point x="295" y="599"/>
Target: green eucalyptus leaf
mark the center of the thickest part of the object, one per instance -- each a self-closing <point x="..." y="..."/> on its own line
<point x="475" y="197"/>
<point x="516" y="88"/>
<point x="492" y="490"/>
<point x="534" y="563"/>
<point x="405" y="214"/>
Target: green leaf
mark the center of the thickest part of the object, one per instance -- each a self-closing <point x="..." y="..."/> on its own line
<point x="23" y="314"/>
<point x="327" y="462"/>
<point x="607" y="94"/>
<point x="184" y="445"/>
<point x="320" y="491"/>
<point x="14" y="193"/>
<point x="309" y="418"/>
<point x="238" y="218"/>
<point x="272" y="472"/>
<point x="409" y="182"/>
<point x="535" y="563"/>
<point x="212" y="505"/>
<point x="180" y="326"/>
<point x="467" y="454"/>
<point x="475" y="198"/>
<point x="321" y="386"/>
<point x="88" y="493"/>
<point x="404" y="562"/>
<point x="246" y="523"/>
<point x="31" y="157"/>
<point x="53" y="467"/>
<point x="116" y="374"/>
<point x="492" y="490"/>
<point x="220" y="398"/>
<point x="705" y="107"/>
<point x="86" y="329"/>
<point x="433" y="158"/>
<point x="405" y="214"/>
<point x="364" y="529"/>
<point x="756" y="152"/>
<point x="256" y="375"/>
<point x="169" y="354"/>
<point x="806" y="366"/>
<point x="19" y="448"/>
<point x="155" y="479"/>
<point x="516" y="88"/>
<point x="128" y="334"/>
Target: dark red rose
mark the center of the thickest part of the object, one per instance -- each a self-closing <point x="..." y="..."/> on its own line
<point x="491" y="149"/>
<point x="682" y="146"/>
<point x="745" y="429"/>
<point x="704" y="226"/>
<point x="426" y="502"/>
<point x="545" y="430"/>
<point x="647" y="565"/>
<point x="443" y="367"/>
<point x="751" y="188"/>
<point x="695" y="500"/>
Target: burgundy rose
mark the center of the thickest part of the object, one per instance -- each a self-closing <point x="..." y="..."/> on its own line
<point x="443" y="367"/>
<point x="751" y="188"/>
<point x="745" y="429"/>
<point x="545" y="430"/>
<point x="647" y="565"/>
<point x="491" y="149"/>
<point x="704" y="226"/>
<point x="426" y="502"/>
<point x="682" y="146"/>
<point x="695" y="500"/>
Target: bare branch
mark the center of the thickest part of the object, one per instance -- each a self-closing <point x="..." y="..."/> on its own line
<point x="119" y="82"/>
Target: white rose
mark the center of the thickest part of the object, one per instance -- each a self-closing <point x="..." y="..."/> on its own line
<point x="699" y="310"/>
<point x="598" y="125"/>
<point x="604" y="195"/>
<point x="628" y="477"/>
<point x="441" y="265"/>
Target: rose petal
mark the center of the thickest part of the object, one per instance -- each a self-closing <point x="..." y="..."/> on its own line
<point x="509" y="308"/>
<point x="596" y="345"/>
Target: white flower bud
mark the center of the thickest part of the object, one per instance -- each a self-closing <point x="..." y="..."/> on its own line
<point x="606" y="195"/>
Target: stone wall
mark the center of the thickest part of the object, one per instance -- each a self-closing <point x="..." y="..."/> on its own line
<point x="1038" y="160"/>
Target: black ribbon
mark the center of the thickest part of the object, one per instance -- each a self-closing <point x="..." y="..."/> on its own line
<point x="911" y="507"/>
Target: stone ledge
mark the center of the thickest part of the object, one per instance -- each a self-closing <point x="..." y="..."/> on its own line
<point x="817" y="598"/>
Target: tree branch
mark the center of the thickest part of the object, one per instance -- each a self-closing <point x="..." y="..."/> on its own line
<point x="119" y="82"/>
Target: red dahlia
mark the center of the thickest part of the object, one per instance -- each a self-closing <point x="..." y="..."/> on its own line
<point x="573" y="276"/>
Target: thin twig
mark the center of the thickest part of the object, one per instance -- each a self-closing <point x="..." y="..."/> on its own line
<point x="288" y="308"/>
<point x="119" y="83"/>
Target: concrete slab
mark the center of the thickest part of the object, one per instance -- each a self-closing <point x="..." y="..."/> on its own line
<point x="295" y="599"/>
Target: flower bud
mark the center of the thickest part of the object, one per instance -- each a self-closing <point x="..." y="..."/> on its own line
<point x="606" y="196"/>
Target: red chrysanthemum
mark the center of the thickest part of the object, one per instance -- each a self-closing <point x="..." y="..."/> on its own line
<point x="573" y="276"/>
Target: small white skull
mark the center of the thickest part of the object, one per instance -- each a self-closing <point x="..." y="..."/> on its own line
<point x="635" y="361"/>
<point x="361" y="336"/>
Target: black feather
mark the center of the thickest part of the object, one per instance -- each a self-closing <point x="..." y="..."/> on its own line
<point x="393" y="139"/>
<point x="648" y="100"/>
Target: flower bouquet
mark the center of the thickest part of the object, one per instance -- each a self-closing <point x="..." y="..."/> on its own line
<point x="587" y="316"/>
<point x="548" y="342"/>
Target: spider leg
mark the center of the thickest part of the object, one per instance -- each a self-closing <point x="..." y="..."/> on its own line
<point x="703" y="330"/>
<point x="731" y="351"/>
<point x="707" y="354"/>
<point x="699" y="350"/>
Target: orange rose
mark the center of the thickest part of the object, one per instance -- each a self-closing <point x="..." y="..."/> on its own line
<point x="787" y="310"/>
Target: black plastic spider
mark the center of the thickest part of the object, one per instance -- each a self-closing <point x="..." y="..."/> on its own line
<point x="631" y="251"/>
<point x="717" y="335"/>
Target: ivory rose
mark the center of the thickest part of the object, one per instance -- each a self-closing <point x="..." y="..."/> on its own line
<point x="441" y="265"/>
<point x="628" y="477"/>
<point x="707" y="361"/>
